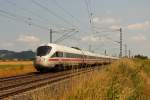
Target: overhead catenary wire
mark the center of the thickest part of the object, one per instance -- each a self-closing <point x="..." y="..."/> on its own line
<point x="88" y="9"/>
<point x="105" y="29"/>
<point x="64" y="35"/>
<point x="29" y="19"/>
<point x="90" y="5"/>
<point x="66" y="11"/>
<point x="31" y="23"/>
<point x="51" y="12"/>
<point x="8" y="17"/>
<point x="61" y="38"/>
<point x="112" y="40"/>
<point x="106" y="36"/>
<point x="15" y="17"/>
<point x="40" y="18"/>
<point x="73" y="33"/>
<point x="90" y="13"/>
<point x="70" y="35"/>
<point x="26" y="10"/>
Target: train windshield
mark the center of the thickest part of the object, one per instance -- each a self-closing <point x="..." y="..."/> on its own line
<point x="43" y="50"/>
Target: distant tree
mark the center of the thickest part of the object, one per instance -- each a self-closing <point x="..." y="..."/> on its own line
<point x="140" y="56"/>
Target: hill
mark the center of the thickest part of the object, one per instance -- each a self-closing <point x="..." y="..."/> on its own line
<point x="6" y="54"/>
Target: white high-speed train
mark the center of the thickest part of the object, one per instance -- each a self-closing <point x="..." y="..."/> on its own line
<point x="50" y="55"/>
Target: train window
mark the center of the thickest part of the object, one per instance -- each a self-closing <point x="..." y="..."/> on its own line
<point x="57" y="54"/>
<point x="72" y="55"/>
<point x="68" y="55"/>
<point x="78" y="56"/>
<point x="43" y="50"/>
<point x="60" y="54"/>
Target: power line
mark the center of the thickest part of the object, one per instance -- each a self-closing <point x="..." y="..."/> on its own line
<point x="15" y="17"/>
<point x="101" y="29"/>
<point x="51" y="12"/>
<point x="112" y="40"/>
<point x="88" y="9"/>
<point x="90" y="5"/>
<point x="41" y="18"/>
<point x="66" y="11"/>
<point x="90" y="14"/>
<point x="29" y="11"/>
<point x="69" y="36"/>
<point x="8" y="17"/>
<point x="20" y="18"/>
<point x="118" y="42"/>
<point x="52" y="31"/>
<point x="105" y="35"/>
<point x="64" y="36"/>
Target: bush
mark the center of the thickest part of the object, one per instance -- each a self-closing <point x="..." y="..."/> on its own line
<point x="140" y="56"/>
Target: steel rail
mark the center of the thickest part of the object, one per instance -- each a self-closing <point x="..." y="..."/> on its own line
<point x="16" y="77"/>
<point x="28" y="85"/>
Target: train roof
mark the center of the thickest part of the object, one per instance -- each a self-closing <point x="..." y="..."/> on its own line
<point x="76" y="51"/>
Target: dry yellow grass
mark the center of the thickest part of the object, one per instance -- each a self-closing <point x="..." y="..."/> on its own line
<point x="13" y="68"/>
<point x="126" y="79"/>
<point x="122" y="80"/>
<point x="15" y="62"/>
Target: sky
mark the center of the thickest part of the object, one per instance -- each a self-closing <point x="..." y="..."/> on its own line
<point x="25" y="24"/>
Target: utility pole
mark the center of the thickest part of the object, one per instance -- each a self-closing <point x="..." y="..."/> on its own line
<point x="90" y="47"/>
<point x="125" y="50"/>
<point x="51" y="35"/>
<point x="129" y="53"/>
<point x="120" y="55"/>
<point x="105" y="53"/>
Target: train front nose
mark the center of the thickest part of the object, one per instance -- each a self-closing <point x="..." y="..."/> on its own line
<point x="42" y="55"/>
<point x="41" y="61"/>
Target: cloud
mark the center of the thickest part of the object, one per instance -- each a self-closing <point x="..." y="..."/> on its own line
<point x="94" y="39"/>
<point x="28" y="39"/>
<point x="105" y="20"/>
<point x="106" y="23"/>
<point x="115" y="27"/>
<point x="138" y="38"/>
<point x="145" y="25"/>
<point x="90" y="39"/>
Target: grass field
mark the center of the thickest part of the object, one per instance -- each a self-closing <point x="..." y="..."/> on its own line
<point x="125" y="79"/>
<point x="12" y="68"/>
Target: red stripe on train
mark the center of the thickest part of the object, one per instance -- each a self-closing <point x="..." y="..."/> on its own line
<point x="53" y="59"/>
<point x="72" y="59"/>
<point x="65" y="59"/>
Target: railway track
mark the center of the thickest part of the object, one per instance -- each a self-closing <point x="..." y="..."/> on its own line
<point x="15" y="85"/>
<point x="17" y="77"/>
